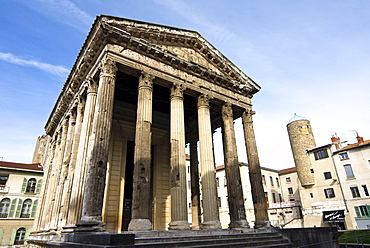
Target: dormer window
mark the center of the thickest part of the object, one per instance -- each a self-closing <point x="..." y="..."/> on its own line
<point x="320" y="154"/>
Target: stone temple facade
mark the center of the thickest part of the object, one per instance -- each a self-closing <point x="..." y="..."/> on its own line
<point x="114" y="149"/>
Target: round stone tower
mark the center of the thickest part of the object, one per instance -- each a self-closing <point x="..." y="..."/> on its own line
<point x="302" y="139"/>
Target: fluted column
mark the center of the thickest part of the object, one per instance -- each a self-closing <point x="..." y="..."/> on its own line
<point x="75" y="202"/>
<point x="141" y="197"/>
<point x="179" y="209"/>
<point x="258" y="195"/>
<point x="64" y="170"/>
<point x="98" y="149"/>
<point x="211" y="219"/>
<point x="234" y="185"/>
<point x="72" y="163"/>
<point x="195" y="192"/>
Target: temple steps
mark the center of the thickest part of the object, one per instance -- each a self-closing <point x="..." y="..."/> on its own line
<point x="266" y="239"/>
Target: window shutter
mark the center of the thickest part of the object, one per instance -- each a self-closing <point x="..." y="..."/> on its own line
<point x="12" y="208"/>
<point x="12" y="237"/>
<point x="24" y="185"/>
<point x="38" y="186"/>
<point x="326" y="194"/>
<point x="368" y="209"/>
<point x="19" y="208"/>
<point x="358" y="213"/>
<point x="34" y="206"/>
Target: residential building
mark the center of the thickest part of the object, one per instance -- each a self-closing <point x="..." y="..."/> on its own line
<point x="20" y="186"/>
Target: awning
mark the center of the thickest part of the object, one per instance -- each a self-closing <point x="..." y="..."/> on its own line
<point x="333" y="216"/>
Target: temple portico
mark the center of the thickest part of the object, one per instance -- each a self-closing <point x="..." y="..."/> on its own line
<point x="136" y="96"/>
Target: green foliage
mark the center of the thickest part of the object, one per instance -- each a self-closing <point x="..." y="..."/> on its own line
<point x="350" y="237"/>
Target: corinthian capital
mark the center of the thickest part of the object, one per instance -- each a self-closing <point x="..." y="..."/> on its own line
<point x="203" y="100"/>
<point x="146" y="80"/>
<point x="227" y="110"/>
<point x="177" y="90"/>
<point x="108" y="67"/>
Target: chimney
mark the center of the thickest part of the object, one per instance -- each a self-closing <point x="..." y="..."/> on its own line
<point x="360" y="140"/>
<point x="335" y="140"/>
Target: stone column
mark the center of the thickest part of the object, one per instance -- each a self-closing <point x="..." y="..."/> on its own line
<point x="211" y="219"/>
<point x="72" y="163"/>
<point x="195" y="193"/>
<point x="179" y="209"/>
<point x="64" y="170"/>
<point x="98" y="149"/>
<point x="234" y="184"/>
<point x="75" y="203"/>
<point x="57" y="164"/>
<point x="258" y="195"/>
<point x="141" y="200"/>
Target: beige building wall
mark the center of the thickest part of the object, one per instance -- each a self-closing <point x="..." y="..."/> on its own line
<point x="21" y="190"/>
<point x="356" y="186"/>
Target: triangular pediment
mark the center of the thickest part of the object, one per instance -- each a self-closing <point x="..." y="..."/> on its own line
<point x="188" y="45"/>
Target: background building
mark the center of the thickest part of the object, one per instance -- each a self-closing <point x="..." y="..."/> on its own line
<point x="20" y="186"/>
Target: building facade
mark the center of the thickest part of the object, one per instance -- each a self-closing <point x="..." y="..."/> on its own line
<point x="114" y="149"/>
<point x="20" y="186"/>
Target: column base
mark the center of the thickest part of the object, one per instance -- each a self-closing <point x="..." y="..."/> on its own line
<point x="179" y="225"/>
<point x="140" y="225"/>
<point x="211" y="225"/>
<point x="240" y="224"/>
<point x="88" y="224"/>
<point x="263" y="225"/>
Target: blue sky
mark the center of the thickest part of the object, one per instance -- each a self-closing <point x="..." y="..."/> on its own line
<point x="310" y="57"/>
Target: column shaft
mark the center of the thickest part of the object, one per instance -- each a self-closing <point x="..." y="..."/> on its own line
<point x="234" y="185"/>
<point x="75" y="202"/>
<point x="141" y="197"/>
<point x="98" y="148"/>
<point x="179" y="209"/>
<point x="258" y="195"/>
<point x="211" y="218"/>
<point x="195" y="192"/>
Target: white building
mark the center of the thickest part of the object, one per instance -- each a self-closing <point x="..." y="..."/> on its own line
<point x="19" y="192"/>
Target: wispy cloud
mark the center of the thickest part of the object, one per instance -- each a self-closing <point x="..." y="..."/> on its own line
<point x="52" y="69"/>
<point x="63" y="11"/>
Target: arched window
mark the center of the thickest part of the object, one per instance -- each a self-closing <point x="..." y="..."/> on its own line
<point x="4" y="207"/>
<point x="19" y="236"/>
<point x="26" y="208"/>
<point x="31" y="185"/>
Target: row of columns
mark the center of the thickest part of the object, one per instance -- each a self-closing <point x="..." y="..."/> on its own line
<point x="86" y="139"/>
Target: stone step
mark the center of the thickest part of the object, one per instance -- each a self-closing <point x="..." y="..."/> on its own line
<point x="272" y="239"/>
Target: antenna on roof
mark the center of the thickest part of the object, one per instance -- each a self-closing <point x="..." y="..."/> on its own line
<point x="296" y="118"/>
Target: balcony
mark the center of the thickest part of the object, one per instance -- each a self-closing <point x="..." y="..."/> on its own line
<point x="4" y="189"/>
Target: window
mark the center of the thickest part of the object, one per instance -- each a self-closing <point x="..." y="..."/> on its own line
<point x="266" y="197"/>
<point x="218" y="182"/>
<point x="219" y="202"/>
<point x="225" y="182"/>
<point x="320" y="154"/>
<point x="31" y="186"/>
<point x="327" y="175"/>
<point x="311" y="195"/>
<point x="263" y="180"/>
<point x="280" y="198"/>
<point x="4" y="207"/>
<point x="363" y="211"/>
<point x="329" y="193"/>
<point x="273" y="197"/>
<point x="343" y="155"/>
<point x="19" y="236"/>
<point x="349" y="171"/>
<point x="290" y="191"/>
<point x="355" y="192"/>
<point x="288" y="180"/>
<point x="189" y="184"/>
<point x="277" y="182"/>
<point x="272" y="181"/>
<point x="26" y="208"/>
<point x="3" y="179"/>
<point x="364" y="187"/>
<point x="312" y="171"/>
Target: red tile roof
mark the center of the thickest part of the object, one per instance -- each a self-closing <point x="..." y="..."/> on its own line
<point x="11" y="165"/>
<point x="288" y="170"/>
<point x="353" y="146"/>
